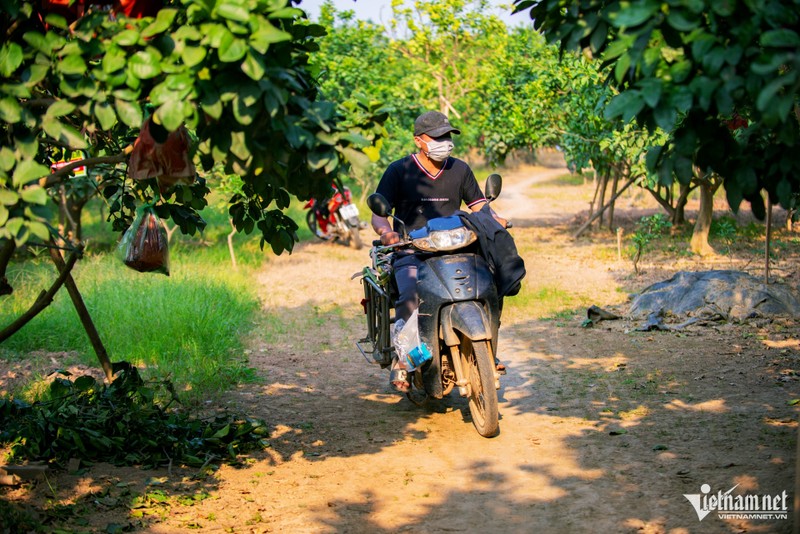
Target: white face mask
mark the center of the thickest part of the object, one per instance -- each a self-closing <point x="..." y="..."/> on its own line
<point x="439" y="150"/>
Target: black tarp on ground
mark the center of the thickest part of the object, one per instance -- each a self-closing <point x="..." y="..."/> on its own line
<point x="721" y="294"/>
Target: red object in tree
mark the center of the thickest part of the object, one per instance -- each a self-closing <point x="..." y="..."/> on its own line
<point x="73" y="10"/>
<point x="168" y="161"/>
<point x="736" y="122"/>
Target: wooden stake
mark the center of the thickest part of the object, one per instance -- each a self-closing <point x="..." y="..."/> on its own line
<point x="83" y="314"/>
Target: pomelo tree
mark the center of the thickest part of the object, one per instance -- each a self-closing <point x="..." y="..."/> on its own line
<point x="231" y="75"/>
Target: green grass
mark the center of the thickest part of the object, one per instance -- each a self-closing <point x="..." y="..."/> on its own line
<point x="543" y="302"/>
<point x="188" y="326"/>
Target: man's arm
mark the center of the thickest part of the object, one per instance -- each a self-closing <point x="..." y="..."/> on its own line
<point x="384" y="230"/>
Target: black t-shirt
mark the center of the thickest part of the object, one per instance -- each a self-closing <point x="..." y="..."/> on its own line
<point x="417" y="195"/>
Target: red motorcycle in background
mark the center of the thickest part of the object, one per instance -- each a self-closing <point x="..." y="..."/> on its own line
<point x="335" y="218"/>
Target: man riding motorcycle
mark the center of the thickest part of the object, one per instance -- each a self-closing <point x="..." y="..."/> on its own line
<point x="419" y="187"/>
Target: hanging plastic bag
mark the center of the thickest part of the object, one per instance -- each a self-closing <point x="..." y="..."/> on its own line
<point x="410" y="349"/>
<point x="169" y="160"/>
<point x="144" y="246"/>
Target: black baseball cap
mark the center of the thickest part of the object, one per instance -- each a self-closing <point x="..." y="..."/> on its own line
<point x="434" y="124"/>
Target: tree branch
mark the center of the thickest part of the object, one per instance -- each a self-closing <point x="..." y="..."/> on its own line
<point x="57" y="176"/>
<point x="44" y="299"/>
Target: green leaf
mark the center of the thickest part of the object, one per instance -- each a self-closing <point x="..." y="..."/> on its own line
<point x="193" y="55"/>
<point x="3" y="215"/>
<point x="39" y="229"/>
<point x="267" y="34"/>
<point x="34" y="195"/>
<point x="85" y="383"/>
<point x="39" y="42"/>
<point x="26" y="171"/>
<point x="781" y="38"/>
<point x="768" y="93"/>
<point x="254" y="67"/>
<point x="633" y="14"/>
<point x="7" y="159"/>
<point x="105" y="115"/>
<point x="73" y="64"/>
<point x="35" y="74"/>
<point x="8" y="197"/>
<point x="59" y="108"/>
<point x="318" y="159"/>
<point x="622" y="103"/>
<point x="64" y="133"/>
<point x="233" y="10"/>
<point x="682" y="21"/>
<point x="161" y="24"/>
<point x="129" y="112"/>
<point x="114" y="59"/>
<point x="126" y="38"/>
<point x="10" y="110"/>
<point x="170" y="114"/>
<point x="231" y="49"/>
<point x="145" y="64"/>
<point x="11" y="56"/>
<point x="651" y="89"/>
<point x="357" y="160"/>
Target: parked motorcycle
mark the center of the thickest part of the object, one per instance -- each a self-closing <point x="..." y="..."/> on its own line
<point x="458" y="315"/>
<point x="335" y="218"/>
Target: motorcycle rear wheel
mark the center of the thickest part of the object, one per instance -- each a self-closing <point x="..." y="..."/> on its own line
<point x="311" y="221"/>
<point x="355" y="236"/>
<point x="479" y="369"/>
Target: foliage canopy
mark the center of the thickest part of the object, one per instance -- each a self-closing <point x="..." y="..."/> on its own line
<point x="720" y="76"/>
<point x="235" y="73"/>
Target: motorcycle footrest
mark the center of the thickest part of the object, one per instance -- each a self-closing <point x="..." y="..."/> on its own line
<point x="375" y="356"/>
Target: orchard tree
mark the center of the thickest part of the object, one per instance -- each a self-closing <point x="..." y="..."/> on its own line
<point x="720" y="76"/>
<point x="232" y="75"/>
<point x="449" y="47"/>
<point x="235" y="74"/>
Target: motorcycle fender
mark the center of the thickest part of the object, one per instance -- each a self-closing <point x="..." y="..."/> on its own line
<point x="467" y="317"/>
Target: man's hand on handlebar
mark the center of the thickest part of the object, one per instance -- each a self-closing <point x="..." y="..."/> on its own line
<point x="503" y="222"/>
<point x="390" y="238"/>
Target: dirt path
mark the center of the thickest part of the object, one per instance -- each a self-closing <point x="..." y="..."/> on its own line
<point x="602" y="429"/>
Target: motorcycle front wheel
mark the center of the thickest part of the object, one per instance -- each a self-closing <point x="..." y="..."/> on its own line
<point x="477" y="355"/>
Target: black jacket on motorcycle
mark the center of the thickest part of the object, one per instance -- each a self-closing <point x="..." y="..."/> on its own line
<point x="498" y="249"/>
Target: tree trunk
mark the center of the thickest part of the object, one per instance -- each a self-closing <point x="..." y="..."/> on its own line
<point x="230" y="244"/>
<point x="702" y="227"/>
<point x="614" y="196"/>
<point x="603" y="185"/>
<point x="603" y="208"/>
<point x="7" y="248"/>
<point x="767" y="240"/>
<point x="679" y="217"/>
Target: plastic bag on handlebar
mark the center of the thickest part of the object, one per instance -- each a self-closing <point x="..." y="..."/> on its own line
<point x="410" y="348"/>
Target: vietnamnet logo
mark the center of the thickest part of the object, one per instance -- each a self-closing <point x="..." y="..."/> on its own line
<point x="730" y="506"/>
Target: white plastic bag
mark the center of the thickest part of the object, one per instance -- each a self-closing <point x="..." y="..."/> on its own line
<point x="411" y="351"/>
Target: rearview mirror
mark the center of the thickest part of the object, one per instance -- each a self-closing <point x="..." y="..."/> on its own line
<point x="494" y="184"/>
<point x="379" y="205"/>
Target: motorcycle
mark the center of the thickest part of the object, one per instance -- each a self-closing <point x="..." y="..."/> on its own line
<point x="335" y="218"/>
<point x="458" y="315"/>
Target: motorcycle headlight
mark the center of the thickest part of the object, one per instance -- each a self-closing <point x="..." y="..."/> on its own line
<point x="440" y="240"/>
